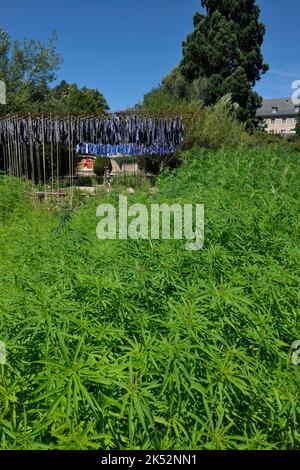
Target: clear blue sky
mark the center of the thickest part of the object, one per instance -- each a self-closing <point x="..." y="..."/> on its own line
<point x="124" y="48"/>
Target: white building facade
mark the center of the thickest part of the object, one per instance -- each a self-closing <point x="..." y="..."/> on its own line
<point x="280" y="115"/>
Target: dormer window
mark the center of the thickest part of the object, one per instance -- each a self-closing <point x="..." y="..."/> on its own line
<point x="275" y="109"/>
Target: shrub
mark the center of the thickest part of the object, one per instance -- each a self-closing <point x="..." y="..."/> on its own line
<point x="135" y="180"/>
<point x="100" y="164"/>
<point x="216" y="126"/>
<point x="159" y="101"/>
<point x="294" y="142"/>
<point x="259" y="137"/>
<point x="84" y="181"/>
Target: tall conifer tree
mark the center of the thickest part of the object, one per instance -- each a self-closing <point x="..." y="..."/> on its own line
<point x="225" y="50"/>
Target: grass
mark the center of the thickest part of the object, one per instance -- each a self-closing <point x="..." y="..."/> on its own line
<point x="139" y="345"/>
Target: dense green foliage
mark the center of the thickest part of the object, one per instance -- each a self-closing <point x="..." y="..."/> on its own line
<point x="217" y="126"/>
<point x="28" y="68"/>
<point x="225" y="51"/>
<point x="160" y="100"/>
<point x="138" y="344"/>
<point x="100" y="165"/>
<point x="68" y="98"/>
<point x="221" y="57"/>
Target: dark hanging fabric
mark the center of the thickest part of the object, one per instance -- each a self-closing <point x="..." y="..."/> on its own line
<point x="164" y="132"/>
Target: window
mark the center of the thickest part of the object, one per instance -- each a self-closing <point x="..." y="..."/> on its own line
<point x="273" y="120"/>
<point x="296" y="119"/>
<point x="275" y="109"/>
<point x="282" y="132"/>
<point x="272" y="132"/>
<point x="284" y="120"/>
<point x="297" y="109"/>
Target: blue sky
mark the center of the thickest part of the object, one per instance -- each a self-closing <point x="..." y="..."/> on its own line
<point x="124" y="48"/>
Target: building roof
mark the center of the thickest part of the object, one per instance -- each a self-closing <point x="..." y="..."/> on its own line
<point x="285" y="107"/>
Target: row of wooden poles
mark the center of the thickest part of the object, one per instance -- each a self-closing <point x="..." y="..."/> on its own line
<point x="42" y="163"/>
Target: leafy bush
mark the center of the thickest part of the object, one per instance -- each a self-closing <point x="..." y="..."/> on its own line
<point x="260" y="137"/>
<point x="100" y="164"/>
<point x="159" y="101"/>
<point x="84" y="181"/>
<point x="135" y="180"/>
<point x="294" y="142"/>
<point x="216" y="126"/>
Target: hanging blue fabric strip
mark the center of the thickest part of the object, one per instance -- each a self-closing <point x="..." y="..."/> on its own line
<point x="108" y="150"/>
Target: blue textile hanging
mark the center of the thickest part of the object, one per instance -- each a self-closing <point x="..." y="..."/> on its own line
<point x="108" y="150"/>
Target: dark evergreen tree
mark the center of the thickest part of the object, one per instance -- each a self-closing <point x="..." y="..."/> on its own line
<point x="225" y="49"/>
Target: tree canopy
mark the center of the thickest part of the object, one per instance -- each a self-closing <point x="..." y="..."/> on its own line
<point x="224" y="53"/>
<point x="68" y="98"/>
<point x="29" y="69"/>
